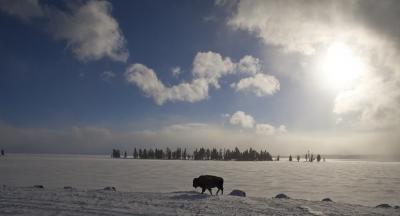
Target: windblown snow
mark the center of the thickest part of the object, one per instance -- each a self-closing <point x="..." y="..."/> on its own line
<point x="43" y="201"/>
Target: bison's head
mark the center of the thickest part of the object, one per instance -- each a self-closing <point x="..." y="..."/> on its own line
<point x="195" y="182"/>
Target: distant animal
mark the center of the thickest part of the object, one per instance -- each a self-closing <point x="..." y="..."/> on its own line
<point x="208" y="182"/>
<point x="109" y="188"/>
<point x="384" y="205"/>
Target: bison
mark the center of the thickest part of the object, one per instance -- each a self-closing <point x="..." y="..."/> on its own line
<point x="208" y="182"/>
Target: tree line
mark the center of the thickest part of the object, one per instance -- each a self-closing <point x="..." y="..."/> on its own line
<point x="197" y="154"/>
<point x="209" y="154"/>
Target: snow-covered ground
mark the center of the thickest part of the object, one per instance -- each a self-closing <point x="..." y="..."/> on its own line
<point x="356" y="182"/>
<point x="36" y="201"/>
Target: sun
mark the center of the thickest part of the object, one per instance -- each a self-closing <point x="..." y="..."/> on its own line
<point x="340" y="67"/>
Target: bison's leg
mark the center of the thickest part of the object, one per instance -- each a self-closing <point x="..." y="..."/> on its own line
<point x="202" y="190"/>
<point x="209" y="189"/>
<point x="217" y="192"/>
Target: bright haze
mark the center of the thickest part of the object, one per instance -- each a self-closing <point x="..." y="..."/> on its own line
<point x="286" y="76"/>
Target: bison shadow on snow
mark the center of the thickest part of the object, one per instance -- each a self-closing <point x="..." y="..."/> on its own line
<point x="189" y="195"/>
<point x="207" y="182"/>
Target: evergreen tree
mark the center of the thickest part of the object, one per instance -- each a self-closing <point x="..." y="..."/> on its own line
<point x="228" y="155"/>
<point x="150" y="154"/>
<point x="178" y="154"/>
<point x="169" y="154"/>
<point x="144" y="153"/>
<point x="202" y="153"/>
<point x="195" y="155"/>
<point x="318" y="158"/>
<point x="116" y="153"/>
<point x="184" y="154"/>
<point x="135" y="154"/>
<point x="140" y="154"/>
<point x="290" y="157"/>
<point x="220" y="155"/>
<point x="208" y="154"/>
<point x="298" y="158"/>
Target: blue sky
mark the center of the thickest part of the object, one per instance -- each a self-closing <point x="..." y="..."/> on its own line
<point x="252" y="68"/>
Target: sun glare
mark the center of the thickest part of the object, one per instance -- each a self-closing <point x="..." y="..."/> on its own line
<point x="340" y="67"/>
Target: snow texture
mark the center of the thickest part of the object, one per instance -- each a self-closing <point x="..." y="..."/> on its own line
<point x="42" y="201"/>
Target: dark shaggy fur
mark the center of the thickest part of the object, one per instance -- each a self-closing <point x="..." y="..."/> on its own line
<point x="208" y="182"/>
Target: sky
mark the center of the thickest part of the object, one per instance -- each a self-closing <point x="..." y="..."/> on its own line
<point x="287" y="76"/>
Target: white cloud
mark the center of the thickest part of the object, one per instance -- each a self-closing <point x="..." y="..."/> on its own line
<point x="268" y="130"/>
<point x="259" y="84"/>
<point x="369" y="28"/>
<point x="90" y="31"/>
<point x="188" y="127"/>
<point x="24" y="9"/>
<point x="282" y="129"/>
<point x="146" y="79"/>
<point x="375" y="101"/>
<point x="249" y="65"/>
<point x="265" y="129"/>
<point x="107" y="75"/>
<point x="89" y="28"/>
<point x="242" y="119"/>
<point x="247" y="121"/>
<point x="208" y="68"/>
<point x="294" y="25"/>
<point x="212" y="66"/>
<point x="176" y="71"/>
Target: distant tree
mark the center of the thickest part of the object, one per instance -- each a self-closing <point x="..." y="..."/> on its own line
<point x="135" y="154"/>
<point x="116" y="153"/>
<point x="268" y="156"/>
<point x="161" y="154"/>
<point x="175" y="154"/>
<point x="150" y="154"/>
<point x="290" y="158"/>
<point x="178" y="153"/>
<point x="184" y="154"/>
<point x="306" y="157"/>
<point x="214" y="154"/>
<point x="202" y="153"/>
<point x="125" y="155"/>
<point x="2" y="152"/>
<point x="195" y="155"/>
<point x="236" y="154"/>
<point x="141" y="154"/>
<point x="318" y="158"/>
<point x="169" y="154"/>
<point x="227" y="155"/>
<point x="311" y="158"/>
<point x="208" y="154"/>
<point x="277" y="158"/>
<point x="145" y="154"/>
<point x="252" y="155"/>
<point x="156" y="154"/>
<point x="298" y="158"/>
